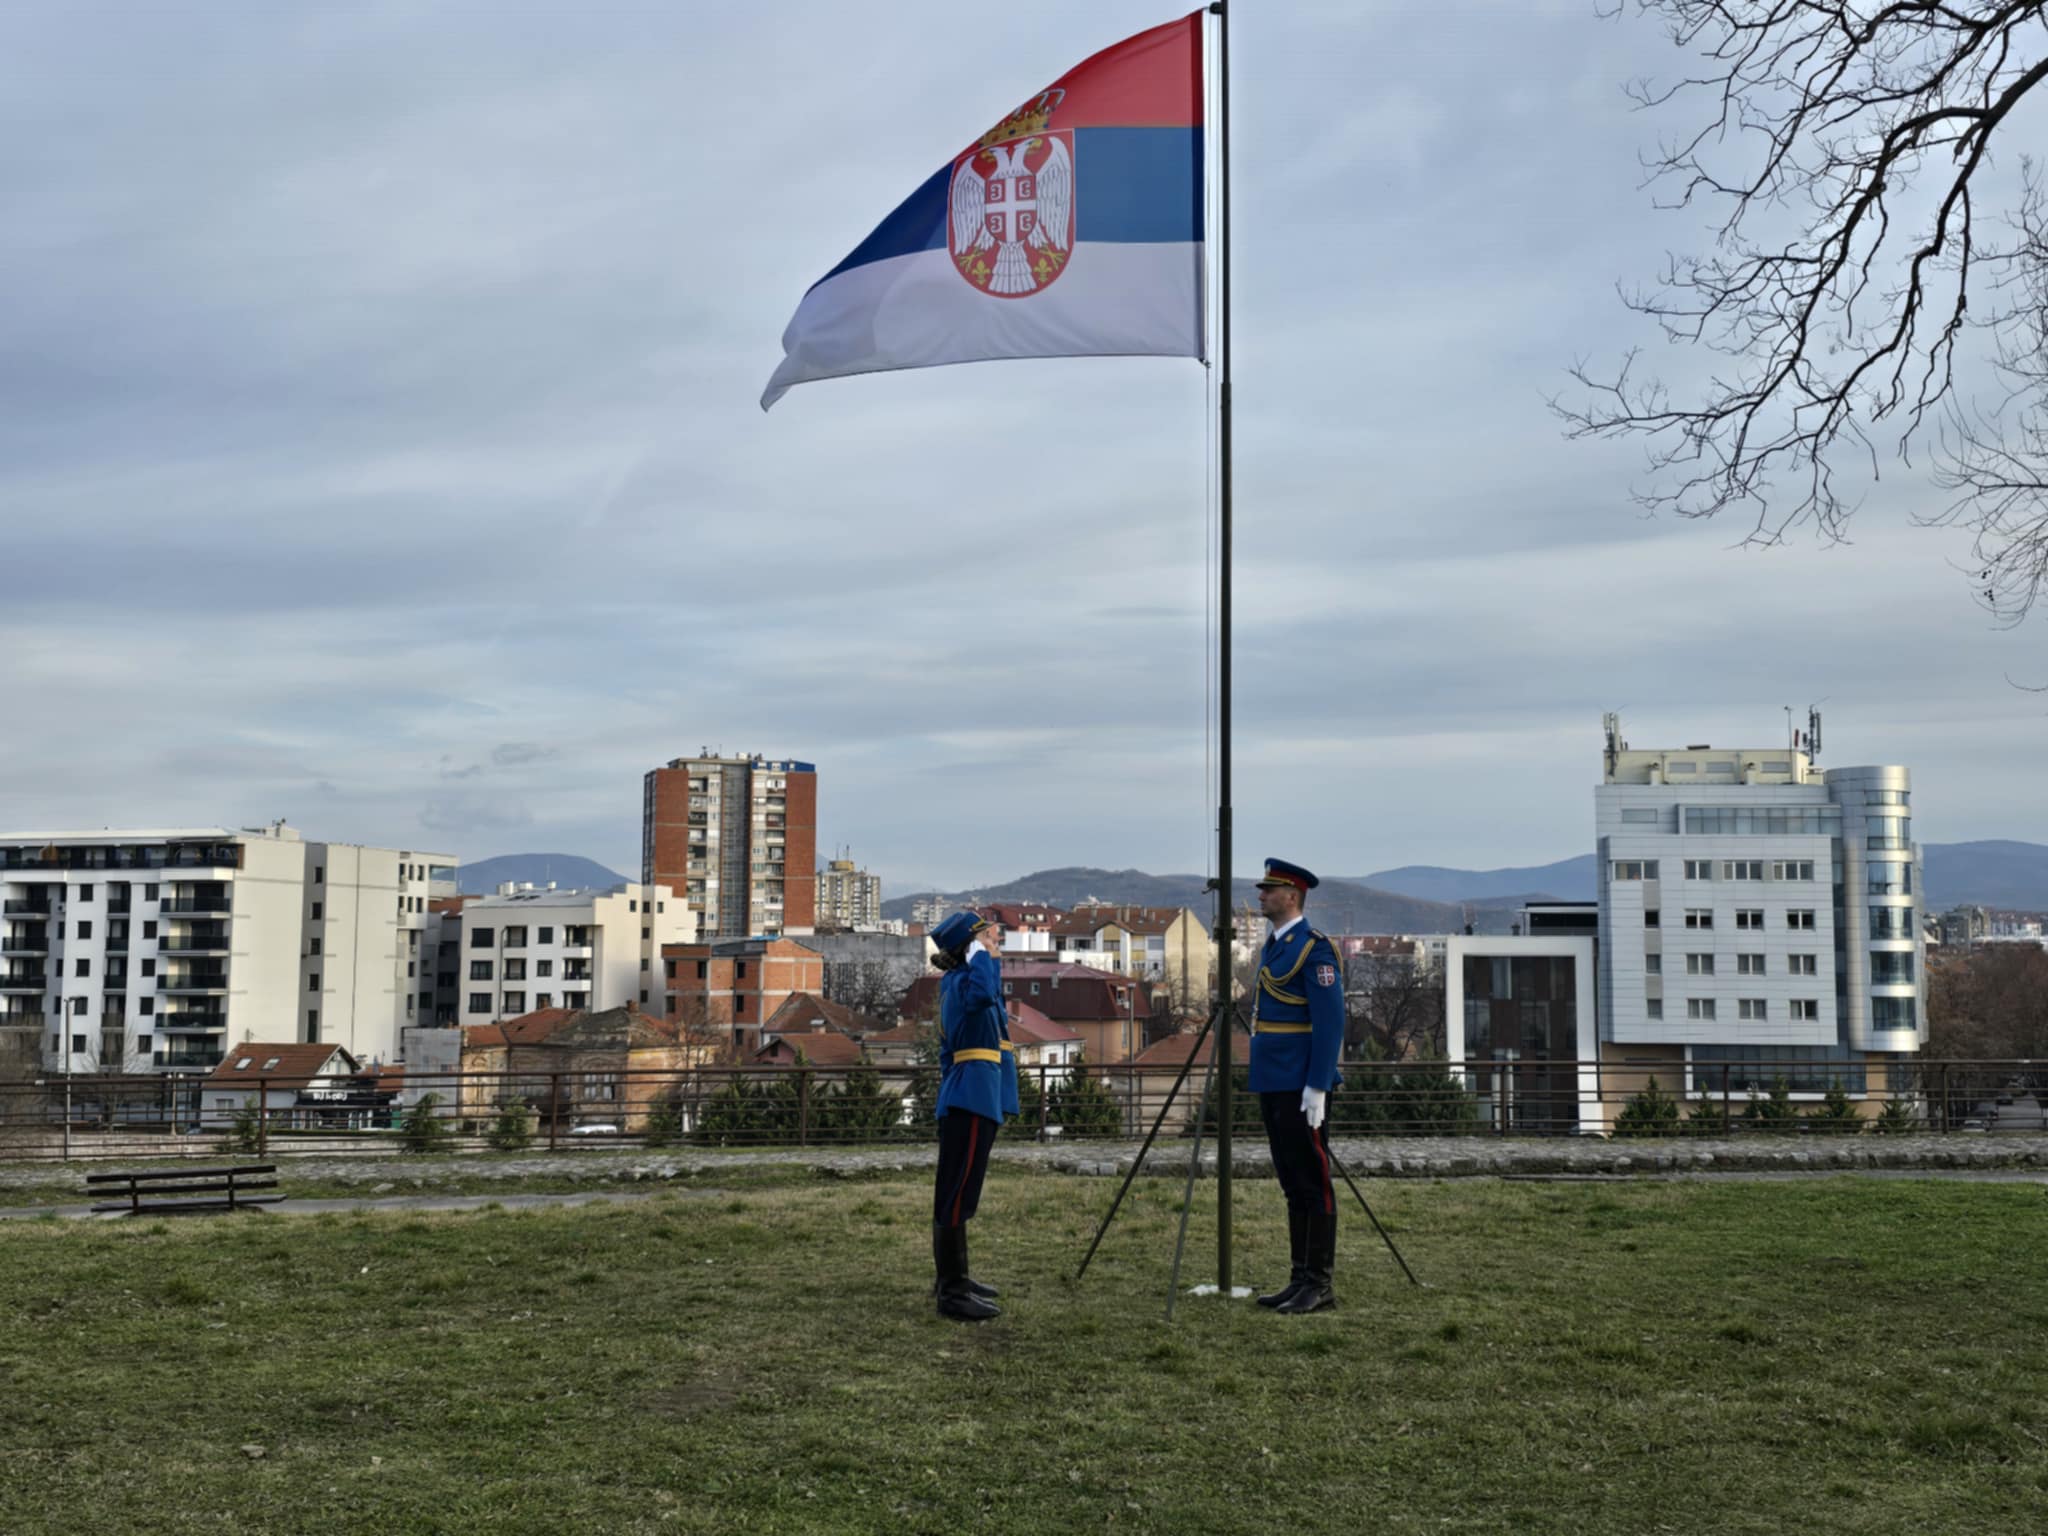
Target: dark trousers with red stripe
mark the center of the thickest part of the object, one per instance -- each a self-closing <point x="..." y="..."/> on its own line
<point x="1301" y="1157"/>
<point x="964" y="1140"/>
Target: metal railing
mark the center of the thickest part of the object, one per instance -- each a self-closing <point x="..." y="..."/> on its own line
<point x="797" y="1106"/>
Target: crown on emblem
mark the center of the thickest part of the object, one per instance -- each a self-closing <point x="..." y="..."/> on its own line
<point x="1026" y="120"/>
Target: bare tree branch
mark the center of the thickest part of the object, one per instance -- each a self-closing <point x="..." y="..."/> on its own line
<point x="1846" y="146"/>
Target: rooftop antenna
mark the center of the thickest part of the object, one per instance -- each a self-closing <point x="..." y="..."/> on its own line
<point x="1813" y="730"/>
<point x="1610" y="723"/>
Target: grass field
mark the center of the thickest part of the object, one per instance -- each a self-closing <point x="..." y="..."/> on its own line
<point x="1830" y="1356"/>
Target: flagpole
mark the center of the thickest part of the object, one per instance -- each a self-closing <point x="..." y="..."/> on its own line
<point x="1224" y="958"/>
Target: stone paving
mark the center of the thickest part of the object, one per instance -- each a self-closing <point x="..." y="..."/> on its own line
<point x="1391" y="1157"/>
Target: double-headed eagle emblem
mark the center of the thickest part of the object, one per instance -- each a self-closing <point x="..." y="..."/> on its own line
<point x="1013" y="194"/>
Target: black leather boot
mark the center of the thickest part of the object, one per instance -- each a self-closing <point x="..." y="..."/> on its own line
<point x="954" y="1299"/>
<point x="1297" y="1272"/>
<point x="1316" y="1293"/>
<point x="987" y="1292"/>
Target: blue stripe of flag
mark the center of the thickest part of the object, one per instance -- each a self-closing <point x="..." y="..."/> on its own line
<point x="1132" y="185"/>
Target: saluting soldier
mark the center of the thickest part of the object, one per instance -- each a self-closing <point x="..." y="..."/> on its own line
<point x="1297" y="1037"/>
<point x="976" y="1087"/>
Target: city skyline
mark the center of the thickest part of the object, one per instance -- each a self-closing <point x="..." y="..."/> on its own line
<point x="416" y="434"/>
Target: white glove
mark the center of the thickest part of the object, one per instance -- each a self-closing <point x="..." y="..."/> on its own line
<point x="1312" y="1100"/>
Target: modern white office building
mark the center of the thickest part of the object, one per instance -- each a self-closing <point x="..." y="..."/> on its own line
<point x="1757" y="909"/>
<point x="138" y="951"/>
<point x="527" y="947"/>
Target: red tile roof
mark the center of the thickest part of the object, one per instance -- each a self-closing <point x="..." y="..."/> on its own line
<point x="1028" y="1026"/>
<point x="821" y="1048"/>
<point x="1174" y="1050"/>
<point x="805" y="1010"/>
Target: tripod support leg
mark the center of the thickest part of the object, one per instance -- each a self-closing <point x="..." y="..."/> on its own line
<point x="1139" y="1161"/>
<point x="1373" y="1219"/>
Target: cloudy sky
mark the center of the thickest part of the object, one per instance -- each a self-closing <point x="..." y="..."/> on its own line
<point x="379" y="449"/>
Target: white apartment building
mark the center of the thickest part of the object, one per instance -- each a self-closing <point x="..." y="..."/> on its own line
<point x="1756" y="909"/>
<point x="848" y="898"/>
<point x="156" y="950"/>
<point x="526" y="948"/>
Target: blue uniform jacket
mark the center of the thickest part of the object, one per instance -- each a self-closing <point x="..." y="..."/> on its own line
<point x="972" y="1032"/>
<point x="1298" y="1029"/>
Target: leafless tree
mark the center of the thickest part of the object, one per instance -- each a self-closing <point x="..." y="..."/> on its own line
<point x="1394" y="1007"/>
<point x="870" y="985"/>
<point x="1865" y="244"/>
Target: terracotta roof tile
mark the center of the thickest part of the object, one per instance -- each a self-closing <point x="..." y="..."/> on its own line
<point x="293" y="1064"/>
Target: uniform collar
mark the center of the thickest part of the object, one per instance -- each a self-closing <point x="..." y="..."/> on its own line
<point x="1285" y="928"/>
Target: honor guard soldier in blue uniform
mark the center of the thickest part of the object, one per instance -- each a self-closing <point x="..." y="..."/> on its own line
<point x="978" y="1084"/>
<point x="1297" y="1037"/>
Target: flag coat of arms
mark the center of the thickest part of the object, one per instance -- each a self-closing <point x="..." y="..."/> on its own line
<point x="1072" y="228"/>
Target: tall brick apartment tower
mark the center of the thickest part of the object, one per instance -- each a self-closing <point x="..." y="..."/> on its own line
<point x="736" y="838"/>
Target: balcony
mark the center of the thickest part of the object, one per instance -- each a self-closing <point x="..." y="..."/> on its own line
<point x="24" y="981"/>
<point x="569" y="975"/>
<point x="21" y="1021"/>
<point x="120" y="908"/>
<point x="197" y="906"/>
<point x="176" y="1023"/>
<point x="193" y="981"/>
<point x="188" y="1061"/>
<point x="25" y="944"/>
<point x="205" y="942"/>
<point x="25" y="908"/>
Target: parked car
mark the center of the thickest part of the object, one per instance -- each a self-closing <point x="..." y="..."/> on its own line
<point x="599" y="1128"/>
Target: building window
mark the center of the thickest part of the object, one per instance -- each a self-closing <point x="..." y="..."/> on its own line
<point x="149" y="930"/>
<point x="1890" y="1013"/>
<point x="633" y="906"/>
<point x="1699" y="965"/>
<point x="1652" y="918"/>
<point x="703" y="969"/>
<point x="1806" y="1008"/>
<point x="1699" y="917"/>
<point x="149" y="893"/>
<point x="1793" y="869"/>
<point x="1742" y="869"/>
<point x="312" y="1024"/>
<point x="1749" y="918"/>
<point x="646" y="965"/>
<point x="81" y="968"/>
<point x="543" y="967"/>
<point x="148" y="1009"/>
<point x="1801" y="918"/>
<point x="85" y="930"/>
<point x="1641" y="818"/>
<point x="544" y="936"/>
<point x="313" y="982"/>
<point x="739" y="970"/>
<point x="315" y="947"/>
<point x="544" y="1000"/>
<point x="1891" y="879"/>
<point x="1652" y="965"/>
<point x="1635" y="869"/>
<point x="1699" y="869"/>
<point x="1891" y="970"/>
<point x="515" y="938"/>
<point x="1803" y="965"/>
<point x="1699" y="1007"/>
<point x="1749" y="965"/>
<point x="515" y="970"/>
<point x="318" y="908"/>
<point x="479" y="970"/>
<point x="85" y="893"/>
<point x="646" y="934"/>
<point x="515" y="1002"/>
<point x="1654" y="1008"/>
<point x="480" y="938"/>
<point x="1752" y="1008"/>
<point x="142" y="1044"/>
<point x="149" y="967"/>
<point x="479" y="1002"/>
<point x="319" y="874"/>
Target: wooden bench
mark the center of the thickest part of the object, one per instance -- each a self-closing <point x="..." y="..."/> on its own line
<point x="225" y="1189"/>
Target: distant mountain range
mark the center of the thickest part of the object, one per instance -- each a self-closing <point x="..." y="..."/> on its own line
<point x="1415" y="898"/>
<point x="566" y="870"/>
<point x="1427" y="898"/>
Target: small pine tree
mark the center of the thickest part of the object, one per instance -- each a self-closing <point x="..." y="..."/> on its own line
<point x="859" y="1109"/>
<point x="1836" y="1116"/>
<point x="1084" y="1105"/>
<point x="1653" y="1112"/>
<point x="245" y="1134"/>
<point x="512" y="1130"/>
<point x="1705" y="1115"/>
<point x="423" y="1130"/>
<point x="1899" y="1117"/>
<point x="1774" y="1111"/>
<point x="664" y="1123"/>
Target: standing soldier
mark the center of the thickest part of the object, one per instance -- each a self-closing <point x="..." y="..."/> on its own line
<point x="1297" y="1036"/>
<point x="974" y="1088"/>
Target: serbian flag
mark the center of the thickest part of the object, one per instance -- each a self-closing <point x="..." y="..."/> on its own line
<point x="1072" y="228"/>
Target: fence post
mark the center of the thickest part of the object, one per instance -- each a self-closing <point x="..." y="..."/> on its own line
<point x="1943" y="1125"/>
<point x="554" y="1107"/>
<point x="1042" y="1107"/>
<point x="803" y="1109"/>
<point x="262" y="1115"/>
<point x="1727" y="1101"/>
